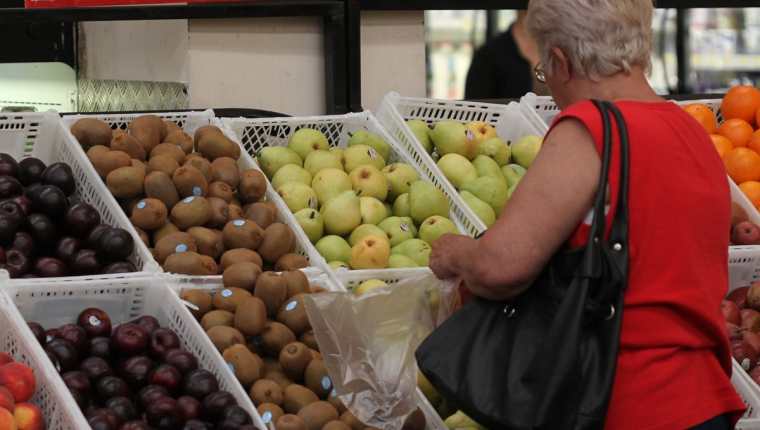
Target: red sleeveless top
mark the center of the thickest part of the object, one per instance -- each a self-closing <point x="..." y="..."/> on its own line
<point x="674" y="364"/>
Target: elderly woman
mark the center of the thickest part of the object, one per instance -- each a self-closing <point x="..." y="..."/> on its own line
<point x="674" y="363"/>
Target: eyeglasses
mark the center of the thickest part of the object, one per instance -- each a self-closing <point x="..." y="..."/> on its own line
<point x="539" y="72"/>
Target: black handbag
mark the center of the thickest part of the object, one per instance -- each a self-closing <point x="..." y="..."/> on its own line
<point x="547" y="359"/>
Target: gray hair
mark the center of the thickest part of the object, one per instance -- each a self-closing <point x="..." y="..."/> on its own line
<point x="600" y="37"/>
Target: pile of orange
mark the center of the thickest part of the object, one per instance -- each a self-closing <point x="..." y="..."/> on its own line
<point x="737" y="138"/>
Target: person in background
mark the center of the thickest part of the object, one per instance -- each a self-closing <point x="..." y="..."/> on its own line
<point x="674" y="364"/>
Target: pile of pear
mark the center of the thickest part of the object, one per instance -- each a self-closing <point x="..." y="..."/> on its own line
<point x="359" y="211"/>
<point x="483" y="167"/>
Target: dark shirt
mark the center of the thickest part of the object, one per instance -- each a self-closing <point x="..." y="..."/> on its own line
<point x="498" y="70"/>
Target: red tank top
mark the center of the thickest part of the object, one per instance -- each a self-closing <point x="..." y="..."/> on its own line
<point x="674" y="364"/>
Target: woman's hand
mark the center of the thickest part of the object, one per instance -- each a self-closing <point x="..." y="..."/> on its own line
<point x="448" y="253"/>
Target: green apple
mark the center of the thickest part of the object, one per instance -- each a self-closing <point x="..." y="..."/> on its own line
<point x="305" y="140"/>
<point x="460" y="421"/>
<point x="334" y="248"/>
<point x="398" y="261"/>
<point x="272" y="158"/>
<point x="298" y="196"/>
<point x="342" y="213"/>
<point x="452" y="137"/>
<point x="436" y="226"/>
<point x="421" y="131"/>
<point x="525" y="150"/>
<point x="369" y="285"/>
<point x="398" y="229"/>
<point x="368" y="181"/>
<point x="291" y="173"/>
<point x="495" y="148"/>
<point x="330" y="182"/>
<point x="364" y="137"/>
<point x="338" y="152"/>
<point x="311" y="222"/>
<point x="513" y="173"/>
<point x="491" y="190"/>
<point x="482" y="210"/>
<point x="371" y="252"/>
<point x="401" y="206"/>
<point x="400" y="177"/>
<point x="339" y="265"/>
<point x="363" y="231"/>
<point x="358" y="155"/>
<point x="457" y="169"/>
<point x="425" y="200"/>
<point x="487" y="167"/>
<point x="416" y="249"/>
<point x="321" y="159"/>
<point x="373" y="210"/>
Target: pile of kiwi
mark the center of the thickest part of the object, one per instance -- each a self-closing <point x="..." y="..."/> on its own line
<point x="259" y="324"/>
<point x="186" y="196"/>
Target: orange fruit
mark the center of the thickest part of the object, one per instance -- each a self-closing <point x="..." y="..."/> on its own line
<point x="742" y="102"/>
<point x="751" y="189"/>
<point x="704" y="115"/>
<point x="738" y="131"/>
<point x="754" y="142"/>
<point x="742" y="165"/>
<point x="722" y="144"/>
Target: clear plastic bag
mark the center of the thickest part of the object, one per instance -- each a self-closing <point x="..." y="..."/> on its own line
<point x="368" y="343"/>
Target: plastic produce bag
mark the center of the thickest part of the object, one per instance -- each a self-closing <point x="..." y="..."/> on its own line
<point x="368" y="344"/>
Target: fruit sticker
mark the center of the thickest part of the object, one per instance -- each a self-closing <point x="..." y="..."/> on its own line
<point x="292" y="305"/>
<point x="142" y="204"/>
<point x="180" y="248"/>
<point x="94" y="320"/>
<point x="266" y="417"/>
<point x="188" y="199"/>
<point x="197" y="191"/>
<point x="238" y="222"/>
<point x="313" y="203"/>
<point x="372" y="153"/>
<point x="226" y="293"/>
<point x="326" y="383"/>
<point x="404" y="227"/>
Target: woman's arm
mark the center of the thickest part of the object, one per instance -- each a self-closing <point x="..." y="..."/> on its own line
<point x="552" y="199"/>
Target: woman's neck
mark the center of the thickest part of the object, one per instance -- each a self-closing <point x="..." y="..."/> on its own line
<point x="622" y="86"/>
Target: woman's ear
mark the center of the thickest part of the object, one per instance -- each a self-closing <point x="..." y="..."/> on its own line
<point x="562" y="70"/>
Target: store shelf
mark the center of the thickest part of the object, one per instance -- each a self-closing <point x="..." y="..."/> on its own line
<point x="522" y="4"/>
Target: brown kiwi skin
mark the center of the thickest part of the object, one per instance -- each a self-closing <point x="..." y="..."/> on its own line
<point x="291" y="261"/>
<point x="313" y="375"/>
<point x="221" y="190"/>
<point x="294" y="358"/>
<point x="220" y="213"/>
<point x="275" y="336"/>
<point x="266" y="391"/>
<point x="278" y="240"/>
<point x="290" y="422"/>
<point x="190" y="182"/>
<point x="317" y="414"/>
<point x="229" y="298"/>
<point x="247" y="366"/>
<point x="150" y="130"/>
<point x="250" y="316"/>
<point x="225" y="169"/>
<point x="217" y="317"/>
<point x="252" y="187"/>
<point x="216" y="145"/>
<point x="241" y="275"/>
<point x="275" y="410"/>
<point x="201" y="299"/>
<point x="351" y="421"/>
<point x="261" y="213"/>
<point x="149" y="214"/>
<point x="169" y="243"/>
<point x="181" y="139"/>
<point x="292" y="313"/>
<point x="200" y="163"/>
<point x="164" y="231"/>
<point x="336" y="425"/>
<point x="296" y="397"/>
<point x="130" y="145"/>
<point x="309" y="340"/>
<point x="237" y="255"/>
<point x="224" y="337"/>
<point x="235" y="211"/>
<point x="171" y="150"/>
<point x="163" y="163"/>
<point x="242" y="233"/>
<point x="297" y="282"/>
<point x="273" y="290"/>
<point x="159" y="185"/>
<point x="190" y="263"/>
<point x="191" y="212"/>
<point x="126" y="182"/>
<point x="207" y="240"/>
<point x="91" y="131"/>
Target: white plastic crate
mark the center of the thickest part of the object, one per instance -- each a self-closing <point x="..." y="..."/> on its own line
<point x="511" y="121"/>
<point x="747" y="390"/>
<point x="189" y="122"/>
<point x="544" y="106"/>
<point x="42" y="135"/>
<point x="124" y="299"/>
<point x="256" y="134"/>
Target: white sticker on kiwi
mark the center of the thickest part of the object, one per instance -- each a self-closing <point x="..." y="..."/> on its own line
<point x="404" y="227"/>
<point x="142" y="204"/>
<point x="181" y="248"/>
<point x="238" y="222"/>
<point x="226" y="293"/>
<point x="266" y="417"/>
<point x="93" y="320"/>
<point x="292" y="305"/>
<point x="326" y="383"/>
<point x="197" y="191"/>
<point x="188" y="199"/>
<point x="372" y="153"/>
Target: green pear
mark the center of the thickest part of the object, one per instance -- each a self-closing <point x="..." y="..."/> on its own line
<point x="436" y="226"/>
<point x="339" y="265"/>
<point x="452" y="137"/>
<point x="371" y="252"/>
<point x="495" y="148"/>
<point x="364" y="137"/>
<point x="339" y="153"/>
<point x="525" y="150"/>
<point x="425" y="200"/>
<point x="368" y="181"/>
<point x="330" y="182"/>
<point x="422" y="132"/>
<point x="363" y="231"/>
<point x="401" y="206"/>
<point x="457" y="169"/>
<point x="321" y="159"/>
<point x="291" y="173"/>
<point x="398" y="261"/>
<point x="398" y="229"/>
<point x="487" y="167"/>
<point x="482" y="210"/>
<point x="298" y="196"/>
<point x="272" y="158"/>
<point x="400" y="177"/>
<point x="373" y="210"/>
<point x="480" y="131"/>
<point x="311" y="222"/>
<point x="342" y="213"/>
<point x="334" y="248"/>
<point x="460" y="421"/>
<point x="416" y="249"/>
<point x="306" y="140"/>
<point x="369" y="285"/>
<point x="491" y="190"/>
<point x="358" y="155"/>
<point x="513" y="173"/>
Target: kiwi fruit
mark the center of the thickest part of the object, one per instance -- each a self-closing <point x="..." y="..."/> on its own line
<point x="278" y="240"/>
<point x="250" y="316"/>
<point x="297" y="282"/>
<point x="163" y="163"/>
<point x="217" y="145"/>
<point x="97" y="150"/>
<point x="316" y="378"/>
<point x="292" y="313"/>
<point x="415" y="421"/>
<point x="335" y="401"/>
<point x="225" y="169"/>
<point x="260" y="213"/>
<point x="294" y="358"/>
<point x="266" y="391"/>
<point x="290" y="422"/>
<point x="316" y="414"/>
<point x="200" y="298"/>
<point x="220" y="190"/>
<point x="171" y="127"/>
<point x="252" y="187"/>
<point x="210" y="264"/>
<point x="159" y="185"/>
<point x="279" y="377"/>
<point x="106" y="162"/>
<point x="239" y="255"/>
<point x="309" y="340"/>
<point x="190" y="182"/>
<point x="245" y="364"/>
<point x="229" y="298"/>
<point x="139" y="164"/>
<point x="181" y="139"/>
<point x="127" y="143"/>
<point x="126" y="182"/>
<point x="190" y="263"/>
<point x="273" y="290"/>
<point x="270" y="412"/>
<point x="234" y="211"/>
<point x="275" y="336"/>
<point x="90" y="132"/>
<point x="272" y="365"/>
<point x="150" y="130"/>
<point x="351" y="421"/>
<point x="164" y="231"/>
<point x="224" y="337"/>
<point x="207" y="240"/>
<point x="241" y="275"/>
<point x="296" y="397"/>
<point x="219" y="212"/>
<point x="336" y="425"/>
<point x="217" y="317"/>
<point x="174" y="243"/>
<point x="149" y="214"/>
<point x="191" y="212"/>
<point x="171" y="150"/>
<point x="242" y="233"/>
<point x="204" y="130"/>
<point x="291" y="262"/>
